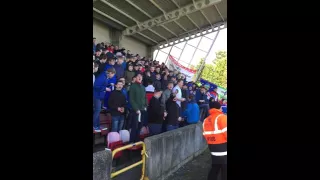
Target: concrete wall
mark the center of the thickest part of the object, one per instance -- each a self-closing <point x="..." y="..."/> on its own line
<point x="136" y="47"/>
<point x="169" y="151"/>
<point x="101" y="31"/>
<point x="102" y="164"/>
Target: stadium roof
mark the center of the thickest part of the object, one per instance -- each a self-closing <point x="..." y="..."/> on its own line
<point x="157" y="22"/>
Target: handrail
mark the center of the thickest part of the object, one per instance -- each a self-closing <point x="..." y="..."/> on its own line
<point x="143" y="160"/>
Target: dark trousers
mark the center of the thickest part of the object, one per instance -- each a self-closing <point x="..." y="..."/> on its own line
<point x="136" y="125"/>
<point x="219" y="164"/>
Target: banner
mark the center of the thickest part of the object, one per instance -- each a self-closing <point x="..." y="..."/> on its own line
<point x="221" y="91"/>
<point x="173" y="64"/>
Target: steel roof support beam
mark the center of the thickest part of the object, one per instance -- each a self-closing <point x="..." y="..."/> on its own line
<point x="193" y="34"/>
<point x="205" y="59"/>
<point x="147" y="14"/>
<point x="219" y="12"/>
<point x="109" y="17"/>
<point x="166" y="15"/>
<point x="128" y="16"/>
<point x="204" y="15"/>
<point x="170" y="16"/>
<point x="178" y="6"/>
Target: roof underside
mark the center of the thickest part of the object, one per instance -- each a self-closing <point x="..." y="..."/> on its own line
<point x="156" y="22"/>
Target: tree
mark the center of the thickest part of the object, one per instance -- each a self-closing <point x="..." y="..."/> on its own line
<point x="216" y="72"/>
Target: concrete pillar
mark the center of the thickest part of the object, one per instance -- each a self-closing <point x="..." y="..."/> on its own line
<point x="116" y="37"/>
<point x="102" y="164"/>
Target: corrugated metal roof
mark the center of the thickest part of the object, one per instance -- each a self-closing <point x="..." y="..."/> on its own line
<point x="145" y="12"/>
<point x="113" y="13"/>
<point x="147" y="6"/>
<point x="129" y="9"/>
<point x="166" y="5"/>
<point x="162" y="31"/>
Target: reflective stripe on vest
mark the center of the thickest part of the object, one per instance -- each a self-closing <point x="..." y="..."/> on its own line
<point x="219" y="153"/>
<point x="216" y="129"/>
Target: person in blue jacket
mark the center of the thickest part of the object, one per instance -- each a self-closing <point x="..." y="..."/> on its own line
<point x="112" y="80"/>
<point x="110" y="64"/>
<point x="203" y="102"/>
<point x="100" y="88"/>
<point x="192" y="112"/>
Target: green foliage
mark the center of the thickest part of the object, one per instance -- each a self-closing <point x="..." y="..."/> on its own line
<point x="216" y="72"/>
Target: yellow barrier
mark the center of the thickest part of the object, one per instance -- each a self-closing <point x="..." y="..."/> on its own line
<point x="143" y="160"/>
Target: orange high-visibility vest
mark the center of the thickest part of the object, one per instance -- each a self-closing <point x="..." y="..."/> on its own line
<point x="215" y="127"/>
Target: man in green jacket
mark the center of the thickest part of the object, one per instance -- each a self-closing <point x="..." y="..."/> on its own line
<point x="138" y="101"/>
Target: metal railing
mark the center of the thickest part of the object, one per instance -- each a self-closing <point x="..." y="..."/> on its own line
<point x="143" y="160"/>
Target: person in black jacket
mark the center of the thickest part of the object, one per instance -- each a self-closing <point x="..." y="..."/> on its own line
<point x="116" y="104"/>
<point x="173" y="115"/>
<point x="156" y="113"/>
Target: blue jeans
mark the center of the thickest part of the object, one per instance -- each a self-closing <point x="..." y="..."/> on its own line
<point x="155" y="128"/>
<point x="96" y="114"/>
<point x="171" y="127"/>
<point x="117" y="123"/>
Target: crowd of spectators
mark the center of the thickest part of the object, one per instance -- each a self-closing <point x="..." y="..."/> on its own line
<point x="140" y="92"/>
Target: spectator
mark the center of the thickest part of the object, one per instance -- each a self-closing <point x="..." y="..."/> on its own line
<point x="157" y="82"/>
<point x="100" y="88"/>
<point x="146" y="78"/>
<point x="97" y="55"/>
<point x="158" y="70"/>
<point x="178" y="92"/>
<point x="128" y="54"/>
<point x="133" y="80"/>
<point x="170" y="75"/>
<point x="119" y="67"/>
<point x="165" y="96"/>
<point x="94" y="45"/>
<point x="111" y="81"/>
<point x="165" y="80"/>
<point x="116" y="50"/>
<point x="98" y="47"/>
<point x="214" y="93"/>
<point x="129" y="74"/>
<point x="172" y="113"/>
<point x="174" y="80"/>
<point x="116" y="104"/>
<point x="136" y="68"/>
<point x="110" y="64"/>
<point x="202" y="100"/>
<point x="111" y="48"/>
<point x="153" y="73"/>
<point x="141" y="68"/>
<point x="130" y="59"/>
<point x="124" y="88"/>
<point x="137" y="96"/>
<point x="185" y="95"/>
<point x="175" y="73"/>
<point x="101" y="63"/>
<point x="192" y="112"/>
<point x="95" y="69"/>
<point x="149" y="90"/>
<point x="156" y="113"/>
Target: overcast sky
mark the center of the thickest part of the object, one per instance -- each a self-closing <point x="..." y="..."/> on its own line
<point x="204" y="45"/>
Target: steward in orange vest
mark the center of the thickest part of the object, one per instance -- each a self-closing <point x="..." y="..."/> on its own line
<point x="215" y="133"/>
